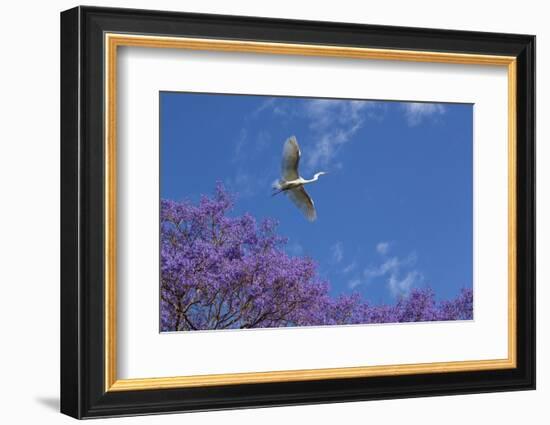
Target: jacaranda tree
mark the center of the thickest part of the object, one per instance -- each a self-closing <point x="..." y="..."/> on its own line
<point x="223" y="272"/>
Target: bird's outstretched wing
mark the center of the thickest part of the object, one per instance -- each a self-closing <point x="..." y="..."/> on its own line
<point x="303" y="201"/>
<point x="291" y="160"/>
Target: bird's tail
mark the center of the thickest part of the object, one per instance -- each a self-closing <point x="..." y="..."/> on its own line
<point x="277" y="187"/>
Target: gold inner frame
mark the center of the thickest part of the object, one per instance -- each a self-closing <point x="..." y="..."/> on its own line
<point x="113" y="41"/>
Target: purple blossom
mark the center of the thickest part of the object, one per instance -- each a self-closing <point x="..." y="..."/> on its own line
<point x="222" y="272"/>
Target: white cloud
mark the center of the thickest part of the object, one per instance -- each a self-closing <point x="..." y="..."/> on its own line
<point x="240" y="145"/>
<point x="325" y="113"/>
<point x="399" y="282"/>
<point x="249" y="145"/>
<point x="350" y="267"/>
<point x="326" y="146"/>
<point x="245" y="184"/>
<point x="354" y="283"/>
<point x="266" y="104"/>
<point x="389" y="266"/>
<point x="415" y="113"/>
<point x="383" y="247"/>
<point x="295" y="249"/>
<point x="399" y="287"/>
<point x="242" y="183"/>
<point x="337" y="252"/>
<point x="334" y="123"/>
<point x="275" y="105"/>
<point x="263" y="139"/>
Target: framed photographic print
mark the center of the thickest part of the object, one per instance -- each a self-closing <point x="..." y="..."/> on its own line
<point x="261" y="212"/>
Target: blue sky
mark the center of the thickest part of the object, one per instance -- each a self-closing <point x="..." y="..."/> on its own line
<point x="395" y="210"/>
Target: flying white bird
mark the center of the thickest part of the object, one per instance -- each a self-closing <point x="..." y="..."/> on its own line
<point x="291" y="183"/>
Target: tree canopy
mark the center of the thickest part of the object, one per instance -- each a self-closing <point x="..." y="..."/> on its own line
<point x="224" y="272"/>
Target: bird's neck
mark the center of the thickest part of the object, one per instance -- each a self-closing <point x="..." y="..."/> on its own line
<point x="315" y="178"/>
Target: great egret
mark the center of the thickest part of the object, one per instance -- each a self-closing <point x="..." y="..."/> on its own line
<point x="291" y="183"/>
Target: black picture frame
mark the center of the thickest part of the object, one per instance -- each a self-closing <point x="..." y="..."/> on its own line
<point x="82" y="212"/>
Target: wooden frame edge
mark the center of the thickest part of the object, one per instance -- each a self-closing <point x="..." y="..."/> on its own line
<point x="306" y="375"/>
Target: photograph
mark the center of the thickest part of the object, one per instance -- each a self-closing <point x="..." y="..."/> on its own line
<point x="286" y="210"/>
<point x="281" y="211"/>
